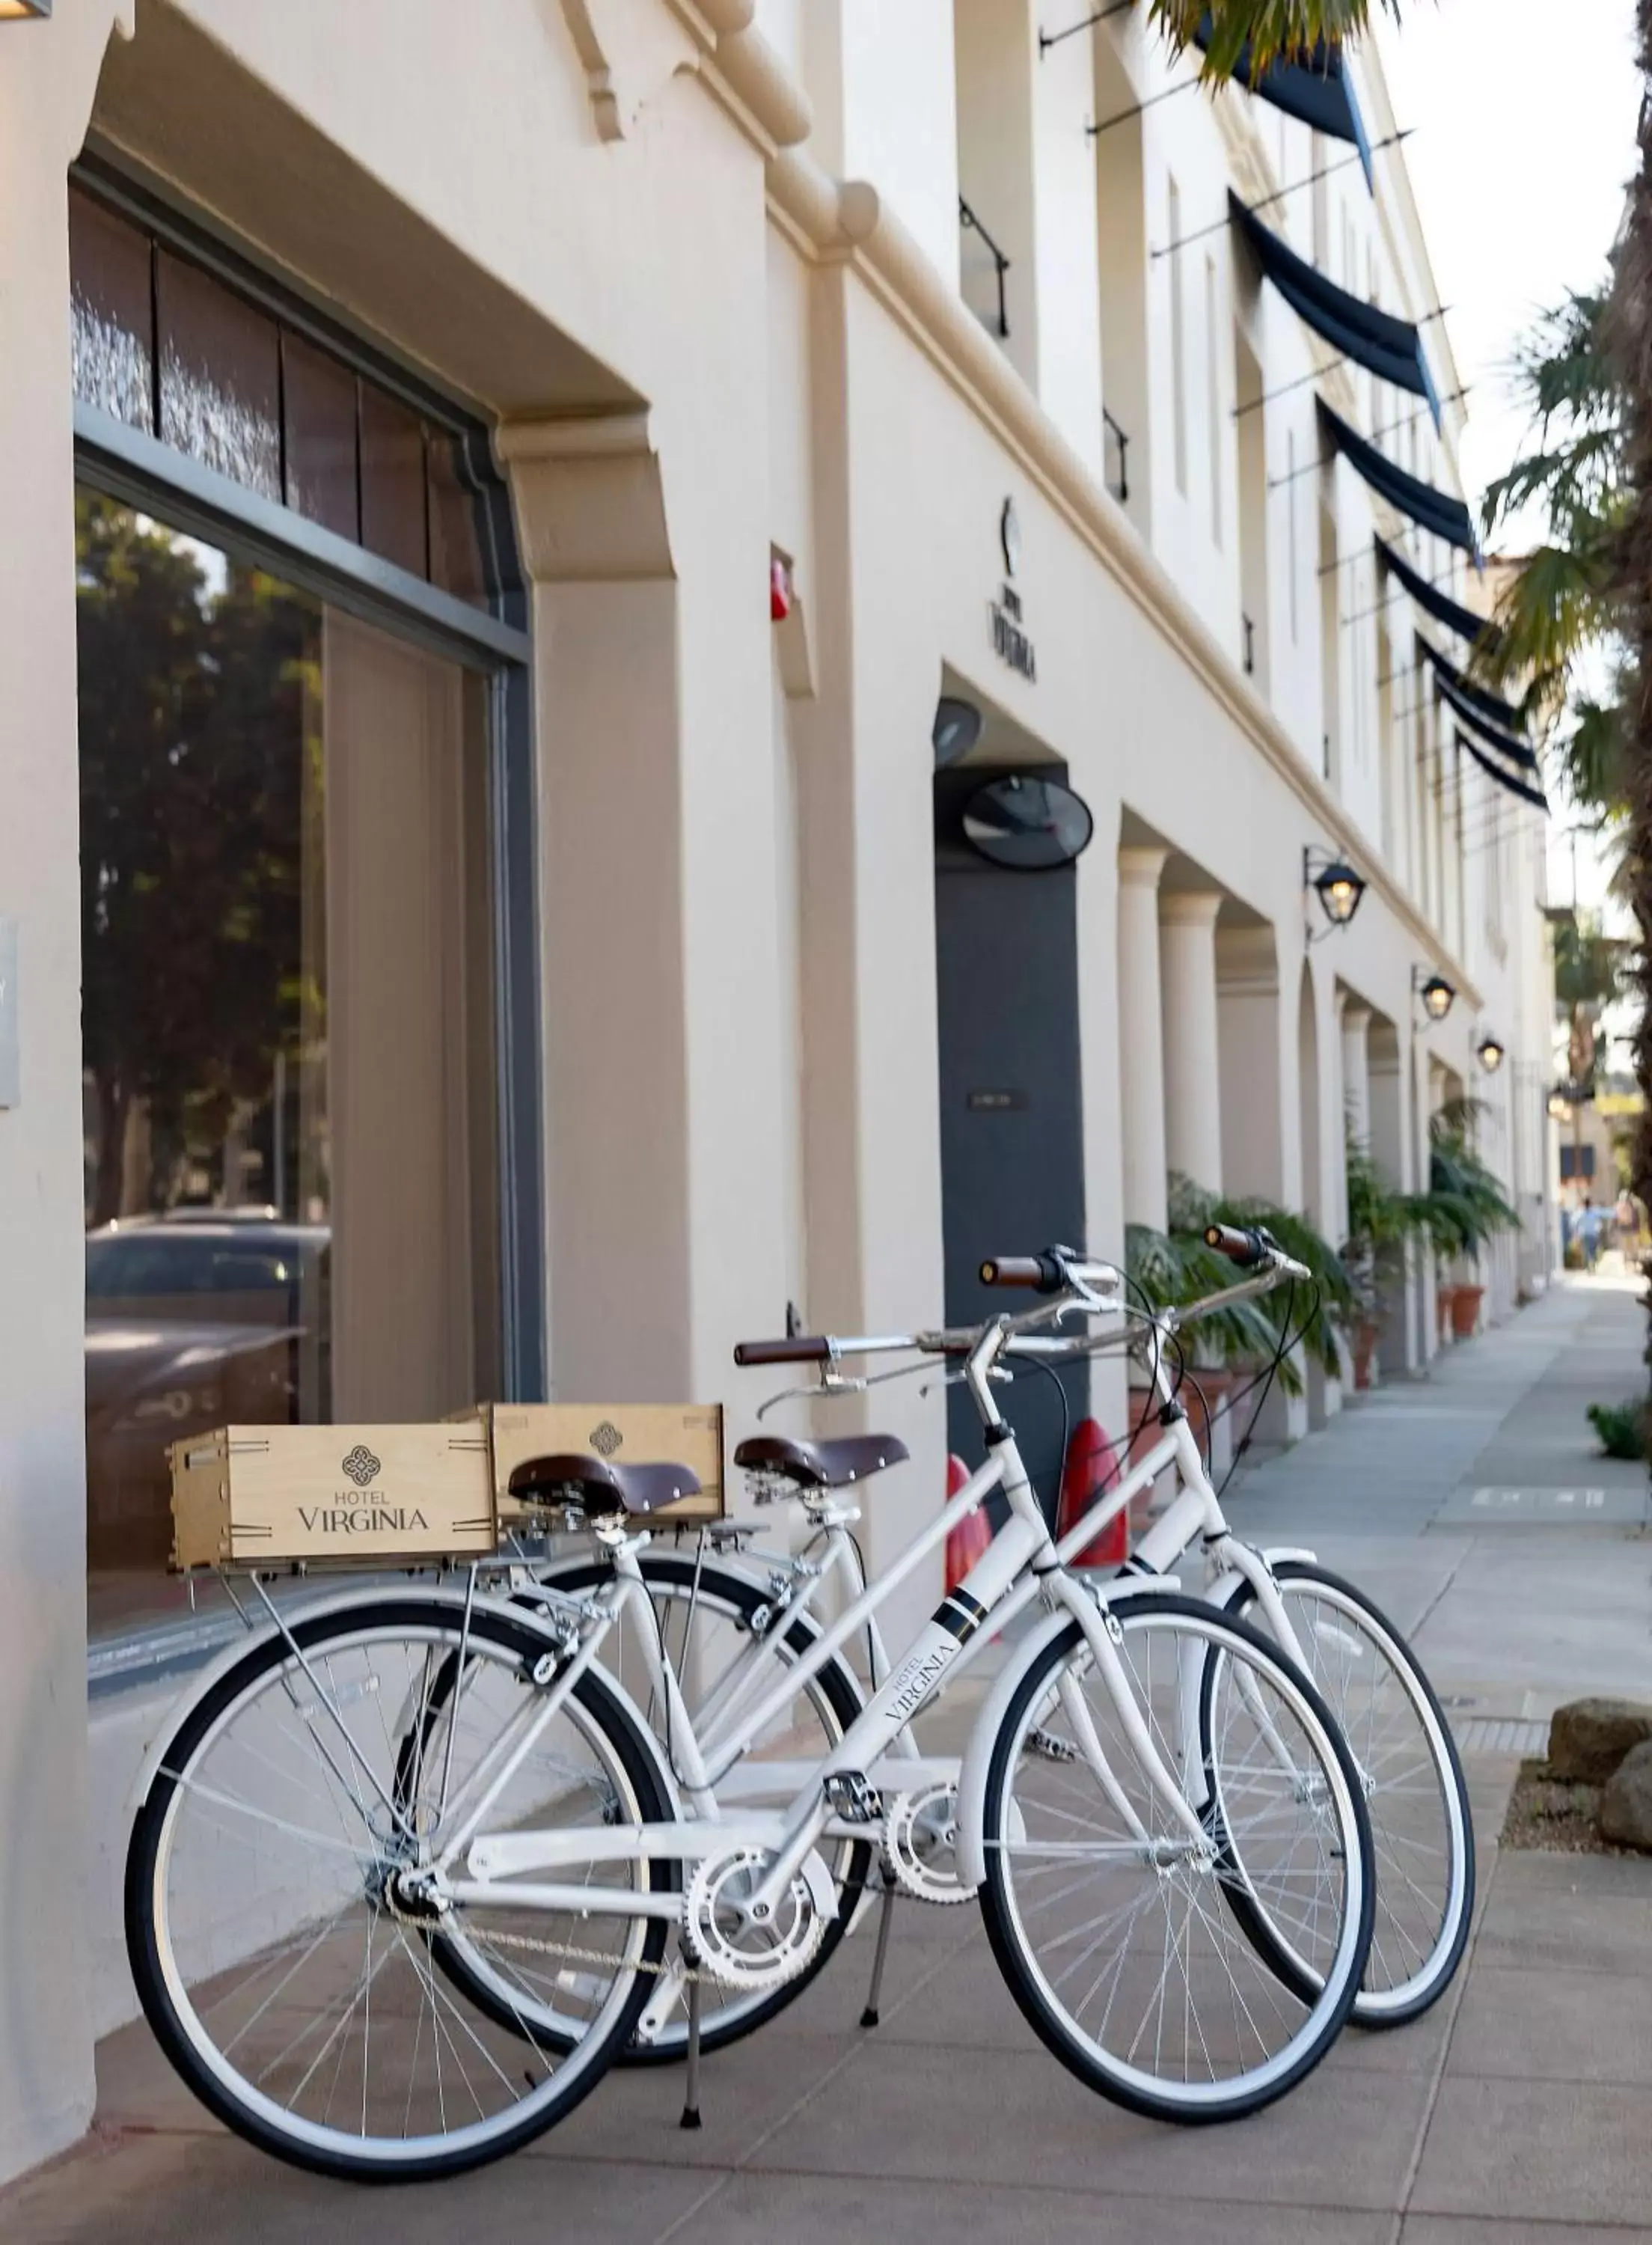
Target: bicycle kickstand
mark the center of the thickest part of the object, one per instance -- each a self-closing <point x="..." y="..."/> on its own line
<point x="885" y="1918"/>
<point x="691" y="2095"/>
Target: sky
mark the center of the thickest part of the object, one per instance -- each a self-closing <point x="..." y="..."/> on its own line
<point x="1524" y="115"/>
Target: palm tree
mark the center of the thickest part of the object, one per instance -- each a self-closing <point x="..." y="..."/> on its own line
<point x="1589" y="975"/>
<point x="1562" y="611"/>
<point x="1631" y="343"/>
<point x="1268" y="27"/>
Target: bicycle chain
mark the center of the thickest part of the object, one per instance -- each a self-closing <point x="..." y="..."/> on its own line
<point x="578" y="1955"/>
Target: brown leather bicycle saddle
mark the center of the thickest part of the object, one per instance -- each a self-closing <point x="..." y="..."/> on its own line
<point x="600" y="1487"/>
<point x="821" y="1465"/>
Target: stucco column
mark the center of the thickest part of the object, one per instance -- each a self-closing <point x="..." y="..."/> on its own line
<point x="1356" y="1069"/>
<point x="1192" y="1090"/>
<point x="47" y="73"/>
<point x="1141" y="1038"/>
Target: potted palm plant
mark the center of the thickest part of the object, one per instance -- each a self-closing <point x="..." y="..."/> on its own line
<point x="1174" y="1267"/>
<point x="1463" y="1209"/>
<point x="1380" y="1221"/>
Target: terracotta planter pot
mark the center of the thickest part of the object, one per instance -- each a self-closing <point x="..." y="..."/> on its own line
<point x="1465" y="1309"/>
<point x="1365" y="1334"/>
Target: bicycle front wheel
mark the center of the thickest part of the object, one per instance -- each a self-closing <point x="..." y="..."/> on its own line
<point x="278" y="1933"/>
<point x="1415" y="1793"/>
<point x="1104" y="1897"/>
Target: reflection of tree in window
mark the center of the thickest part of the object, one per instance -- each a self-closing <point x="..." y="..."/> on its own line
<point x="200" y="764"/>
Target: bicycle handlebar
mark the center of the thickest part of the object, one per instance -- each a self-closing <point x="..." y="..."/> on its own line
<point x="1045" y="1274"/>
<point x="798" y="1348"/>
<point x="1247" y="1244"/>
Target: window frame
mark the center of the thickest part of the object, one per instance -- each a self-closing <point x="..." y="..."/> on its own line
<point x="138" y="470"/>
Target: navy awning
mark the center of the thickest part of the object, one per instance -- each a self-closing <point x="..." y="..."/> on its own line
<point x="1493" y="735"/>
<point x="1494" y="770"/>
<point x="1391" y="347"/>
<point x="1440" y="606"/>
<point x="1437" y="511"/>
<point x="1313" y="86"/>
<point x="1492" y="707"/>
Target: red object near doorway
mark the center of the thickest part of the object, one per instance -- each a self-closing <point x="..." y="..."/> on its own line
<point x="966" y="1542"/>
<point x="1093" y="1466"/>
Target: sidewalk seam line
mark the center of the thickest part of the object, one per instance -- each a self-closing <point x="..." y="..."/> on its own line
<point x="1413" y="2167"/>
<point x="740" y="2165"/>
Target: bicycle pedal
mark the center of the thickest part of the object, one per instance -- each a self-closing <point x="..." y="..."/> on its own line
<point x="849" y="1796"/>
<point x="1049" y="1748"/>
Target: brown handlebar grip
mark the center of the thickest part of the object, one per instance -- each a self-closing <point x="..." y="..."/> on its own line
<point x="1043" y="1273"/>
<point x="800" y="1348"/>
<point x="1012" y="1270"/>
<point x="1239" y="1246"/>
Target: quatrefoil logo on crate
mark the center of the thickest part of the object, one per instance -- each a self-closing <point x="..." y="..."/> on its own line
<point x="606" y="1439"/>
<point x="361" y="1465"/>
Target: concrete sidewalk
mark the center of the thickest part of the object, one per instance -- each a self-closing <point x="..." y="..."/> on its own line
<point x="1517" y="2110"/>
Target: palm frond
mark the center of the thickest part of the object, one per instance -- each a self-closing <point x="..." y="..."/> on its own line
<point x="1270" y="28"/>
<point x="1558" y="603"/>
<point x="1593" y="758"/>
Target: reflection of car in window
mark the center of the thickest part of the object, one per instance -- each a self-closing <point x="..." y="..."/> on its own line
<point x="193" y="1261"/>
<point x="216" y="1320"/>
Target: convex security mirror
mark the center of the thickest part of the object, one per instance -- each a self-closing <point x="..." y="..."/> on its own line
<point x="1030" y="826"/>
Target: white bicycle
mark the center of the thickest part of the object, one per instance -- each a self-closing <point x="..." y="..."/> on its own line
<point x="731" y="1617"/>
<point x="391" y="1779"/>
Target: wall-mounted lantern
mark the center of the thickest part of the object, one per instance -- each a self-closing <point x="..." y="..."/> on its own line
<point x="1489" y="1053"/>
<point x="1439" y="995"/>
<point x="1337" y="886"/>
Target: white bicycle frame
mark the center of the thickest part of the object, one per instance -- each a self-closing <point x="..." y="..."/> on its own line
<point x="1022" y="1564"/>
<point x="1194" y="1515"/>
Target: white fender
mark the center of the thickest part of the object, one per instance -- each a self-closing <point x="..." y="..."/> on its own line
<point x="1218" y="1592"/>
<point x="339" y="1601"/>
<point x="970" y="1851"/>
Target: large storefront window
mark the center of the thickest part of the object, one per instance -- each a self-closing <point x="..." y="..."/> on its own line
<point x="305" y="897"/>
<point x="289" y="1188"/>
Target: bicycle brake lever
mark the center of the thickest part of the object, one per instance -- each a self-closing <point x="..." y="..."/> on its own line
<point x="831" y="1383"/>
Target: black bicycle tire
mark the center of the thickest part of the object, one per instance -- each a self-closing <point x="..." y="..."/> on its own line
<point x="1253" y="1923"/>
<point x="716" y="2033"/>
<point x="999" y="1917"/>
<point x="602" y="1705"/>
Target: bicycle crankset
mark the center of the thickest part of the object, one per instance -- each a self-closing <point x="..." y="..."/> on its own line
<point x="744" y="1952"/>
<point x="920" y="1832"/>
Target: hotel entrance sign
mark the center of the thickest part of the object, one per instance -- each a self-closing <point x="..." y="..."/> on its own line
<point x="1010" y="641"/>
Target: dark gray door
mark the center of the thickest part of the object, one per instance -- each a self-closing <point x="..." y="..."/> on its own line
<point x="1012" y="1113"/>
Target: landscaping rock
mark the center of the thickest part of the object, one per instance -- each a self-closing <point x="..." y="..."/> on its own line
<point x="1626" y="1803"/>
<point x="1590" y="1738"/>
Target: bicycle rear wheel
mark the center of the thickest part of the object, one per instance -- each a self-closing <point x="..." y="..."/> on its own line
<point x="1415" y="1793"/>
<point x="710" y="1617"/>
<point x="1106" y="1917"/>
<point x="276" y="1933"/>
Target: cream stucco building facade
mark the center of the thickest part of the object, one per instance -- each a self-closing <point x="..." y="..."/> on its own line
<point x="698" y="273"/>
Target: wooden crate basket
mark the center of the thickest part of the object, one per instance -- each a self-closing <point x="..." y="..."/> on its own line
<point x="629" y="1434"/>
<point x="356" y="1496"/>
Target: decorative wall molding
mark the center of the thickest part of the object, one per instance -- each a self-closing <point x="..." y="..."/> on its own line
<point x="849" y="223"/>
<point x="591" y="508"/>
<point x="630" y="52"/>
